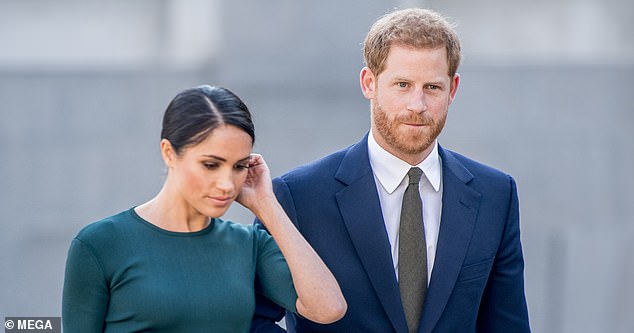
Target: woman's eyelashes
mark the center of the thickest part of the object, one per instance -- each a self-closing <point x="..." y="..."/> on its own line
<point x="210" y="166"/>
<point x="214" y="165"/>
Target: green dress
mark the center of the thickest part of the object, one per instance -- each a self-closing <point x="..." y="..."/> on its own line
<point x="124" y="274"/>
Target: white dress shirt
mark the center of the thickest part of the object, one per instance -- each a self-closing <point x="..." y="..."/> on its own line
<point x="390" y="175"/>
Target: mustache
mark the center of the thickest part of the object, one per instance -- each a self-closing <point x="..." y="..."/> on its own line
<point x="410" y="118"/>
<point x="413" y="119"/>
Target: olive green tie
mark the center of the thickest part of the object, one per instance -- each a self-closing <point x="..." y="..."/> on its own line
<point x="412" y="253"/>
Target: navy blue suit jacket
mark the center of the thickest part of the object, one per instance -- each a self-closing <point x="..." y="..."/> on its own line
<point x="477" y="282"/>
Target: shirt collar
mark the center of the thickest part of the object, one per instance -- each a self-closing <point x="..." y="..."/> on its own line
<point x="390" y="170"/>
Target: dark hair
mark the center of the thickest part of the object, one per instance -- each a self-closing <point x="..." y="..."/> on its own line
<point x="194" y="113"/>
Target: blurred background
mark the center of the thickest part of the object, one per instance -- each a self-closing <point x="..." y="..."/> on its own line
<point x="546" y="95"/>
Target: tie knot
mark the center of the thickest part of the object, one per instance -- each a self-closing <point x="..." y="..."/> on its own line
<point x="414" y="175"/>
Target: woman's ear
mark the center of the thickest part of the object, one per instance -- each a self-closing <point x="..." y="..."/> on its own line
<point x="368" y="83"/>
<point x="168" y="153"/>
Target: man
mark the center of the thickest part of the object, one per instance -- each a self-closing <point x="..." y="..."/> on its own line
<point x="461" y="272"/>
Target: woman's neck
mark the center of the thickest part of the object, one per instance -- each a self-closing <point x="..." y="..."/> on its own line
<point x="172" y="213"/>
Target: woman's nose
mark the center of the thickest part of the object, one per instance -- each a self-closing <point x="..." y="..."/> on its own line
<point x="225" y="182"/>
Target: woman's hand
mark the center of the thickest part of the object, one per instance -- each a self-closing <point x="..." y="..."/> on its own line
<point x="257" y="190"/>
<point x="319" y="296"/>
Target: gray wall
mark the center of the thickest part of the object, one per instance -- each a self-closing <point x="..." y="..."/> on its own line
<point x="545" y="95"/>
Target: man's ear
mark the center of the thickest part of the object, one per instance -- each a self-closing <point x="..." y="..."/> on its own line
<point x="168" y="153"/>
<point x="368" y="83"/>
<point x="454" y="87"/>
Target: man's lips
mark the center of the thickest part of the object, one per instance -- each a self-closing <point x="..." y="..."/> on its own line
<point x="414" y="124"/>
<point x="414" y="121"/>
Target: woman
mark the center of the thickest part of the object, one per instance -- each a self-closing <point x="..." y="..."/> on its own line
<point x="171" y="265"/>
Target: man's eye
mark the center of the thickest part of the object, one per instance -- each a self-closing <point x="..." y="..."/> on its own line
<point x="433" y="87"/>
<point x="402" y="84"/>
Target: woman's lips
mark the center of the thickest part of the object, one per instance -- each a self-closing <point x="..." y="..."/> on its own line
<point x="221" y="201"/>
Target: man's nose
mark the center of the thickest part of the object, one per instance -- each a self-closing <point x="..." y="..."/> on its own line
<point x="417" y="102"/>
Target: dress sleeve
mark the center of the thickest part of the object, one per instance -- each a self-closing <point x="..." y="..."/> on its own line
<point x="272" y="273"/>
<point x="85" y="295"/>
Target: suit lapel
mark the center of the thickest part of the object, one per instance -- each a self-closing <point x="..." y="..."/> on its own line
<point x="361" y="211"/>
<point x="460" y="206"/>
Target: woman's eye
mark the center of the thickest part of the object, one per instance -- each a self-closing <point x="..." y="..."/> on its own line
<point x="210" y="165"/>
<point x="242" y="166"/>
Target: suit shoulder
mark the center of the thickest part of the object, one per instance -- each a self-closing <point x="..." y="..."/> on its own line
<point x="476" y="168"/>
<point x="324" y="167"/>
